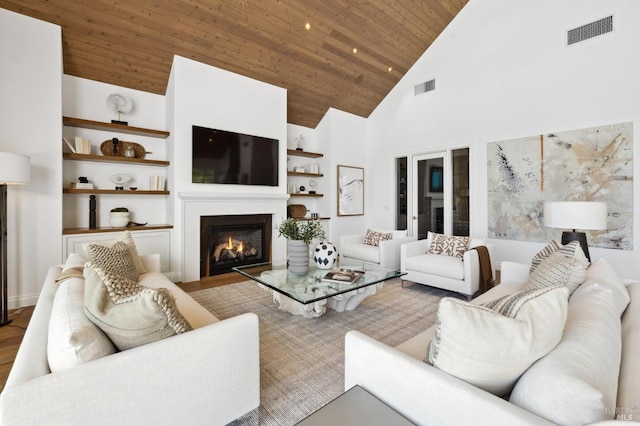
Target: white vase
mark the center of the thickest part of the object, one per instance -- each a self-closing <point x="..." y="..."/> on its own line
<point x="298" y="257"/>
<point x="325" y="255"/>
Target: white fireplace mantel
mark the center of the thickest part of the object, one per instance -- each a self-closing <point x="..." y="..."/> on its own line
<point x="229" y="196"/>
<point x="197" y="204"/>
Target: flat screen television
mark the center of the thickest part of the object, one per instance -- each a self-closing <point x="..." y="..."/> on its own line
<point x="224" y="157"/>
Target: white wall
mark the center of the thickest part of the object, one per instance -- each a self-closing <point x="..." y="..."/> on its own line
<point x="345" y="136"/>
<point x="503" y="71"/>
<point x="199" y="94"/>
<point x="31" y="124"/>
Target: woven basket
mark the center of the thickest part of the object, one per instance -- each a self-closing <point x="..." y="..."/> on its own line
<point x="296" y="211"/>
<point x="107" y="149"/>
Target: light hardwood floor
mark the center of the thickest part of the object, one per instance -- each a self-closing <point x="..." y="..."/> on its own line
<point x="11" y="334"/>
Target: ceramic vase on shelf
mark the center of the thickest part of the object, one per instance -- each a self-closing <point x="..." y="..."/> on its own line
<point x="298" y="257"/>
<point x="325" y="255"/>
<point x="118" y="219"/>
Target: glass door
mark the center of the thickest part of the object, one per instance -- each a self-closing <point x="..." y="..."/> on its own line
<point x="434" y="190"/>
<point x="460" y="193"/>
<point x="428" y="189"/>
<point x="401" y="193"/>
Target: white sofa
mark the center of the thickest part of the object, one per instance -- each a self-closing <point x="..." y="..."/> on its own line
<point x="385" y="255"/>
<point x="428" y="396"/>
<point x="442" y="271"/>
<point x="210" y="375"/>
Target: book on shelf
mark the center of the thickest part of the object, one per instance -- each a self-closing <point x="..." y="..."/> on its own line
<point x="341" y="276"/>
<point x="81" y="185"/>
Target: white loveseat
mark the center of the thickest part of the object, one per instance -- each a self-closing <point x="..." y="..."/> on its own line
<point x="385" y="255"/>
<point x="442" y="271"/>
<point x="428" y="396"/>
<point x="210" y="375"/>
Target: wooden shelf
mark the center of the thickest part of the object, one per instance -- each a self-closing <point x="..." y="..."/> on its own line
<point x="113" y="191"/>
<point x="306" y="195"/>
<point x="304" y="174"/>
<point x="110" y="159"/>
<point x="109" y="127"/>
<point x="304" y="153"/>
<point x="308" y="218"/>
<point x="73" y="231"/>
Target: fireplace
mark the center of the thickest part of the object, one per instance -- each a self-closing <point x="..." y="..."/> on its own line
<point x="233" y="240"/>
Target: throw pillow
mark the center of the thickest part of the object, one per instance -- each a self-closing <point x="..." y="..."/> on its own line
<point x="448" y="245"/>
<point x="73" y="339"/>
<point x="571" y="250"/>
<point x="374" y="238"/>
<point x="577" y="382"/>
<point x="490" y="346"/>
<point x="130" y="314"/>
<point x="116" y="258"/>
<point x="557" y="269"/>
<point x="605" y="276"/>
<point x="128" y="240"/>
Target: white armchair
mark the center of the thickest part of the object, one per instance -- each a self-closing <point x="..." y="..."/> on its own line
<point x="442" y="271"/>
<point x="386" y="255"/>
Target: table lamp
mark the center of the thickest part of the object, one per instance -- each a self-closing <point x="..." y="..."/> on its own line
<point x="585" y="215"/>
<point x="15" y="169"/>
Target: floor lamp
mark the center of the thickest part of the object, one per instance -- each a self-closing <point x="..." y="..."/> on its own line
<point x="15" y="169"/>
<point x="586" y="215"/>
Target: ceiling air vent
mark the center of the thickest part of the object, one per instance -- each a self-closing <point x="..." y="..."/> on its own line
<point x="591" y="30"/>
<point x="425" y="87"/>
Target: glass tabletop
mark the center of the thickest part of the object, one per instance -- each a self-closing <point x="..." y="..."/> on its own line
<point x="310" y="287"/>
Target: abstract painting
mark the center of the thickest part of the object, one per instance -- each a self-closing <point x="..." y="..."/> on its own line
<point x="592" y="164"/>
<point x="350" y="191"/>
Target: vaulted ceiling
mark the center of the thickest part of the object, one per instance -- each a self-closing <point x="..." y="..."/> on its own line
<point x="352" y="54"/>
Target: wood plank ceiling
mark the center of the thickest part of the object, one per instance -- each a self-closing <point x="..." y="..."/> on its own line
<point x="131" y="43"/>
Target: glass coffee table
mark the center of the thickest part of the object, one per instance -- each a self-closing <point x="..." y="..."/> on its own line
<point x="308" y="295"/>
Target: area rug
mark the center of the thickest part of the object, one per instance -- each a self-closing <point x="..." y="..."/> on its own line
<point x="302" y="359"/>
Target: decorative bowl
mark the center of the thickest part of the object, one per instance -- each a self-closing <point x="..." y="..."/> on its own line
<point x="119" y="219"/>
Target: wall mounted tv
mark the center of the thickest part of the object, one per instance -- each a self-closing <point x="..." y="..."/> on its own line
<point x="226" y="157"/>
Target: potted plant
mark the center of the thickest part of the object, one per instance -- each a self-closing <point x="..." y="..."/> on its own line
<point x="119" y="217"/>
<point x="299" y="234"/>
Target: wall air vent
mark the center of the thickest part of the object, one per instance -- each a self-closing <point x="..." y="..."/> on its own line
<point x="590" y="30"/>
<point x="425" y="87"/>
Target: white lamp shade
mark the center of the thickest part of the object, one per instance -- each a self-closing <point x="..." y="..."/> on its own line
<point x="15" y="169"/>
<point x="585" y="215"/>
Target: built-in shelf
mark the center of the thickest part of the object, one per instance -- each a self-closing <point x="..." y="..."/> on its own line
<point x="299" y="174"/>
<point x="304" y="153"/>
<point x="121" y="128"/>
<point x="306" y="195"/>
<point x="75" y="231"/>
<point x="111" y="159"/>
<point x="113" y="191"/>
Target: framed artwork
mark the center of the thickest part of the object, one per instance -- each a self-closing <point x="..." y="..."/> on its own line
<point x="350" y="191"/>
<point x="589" y="164"/>
<point x="436" y="179"/>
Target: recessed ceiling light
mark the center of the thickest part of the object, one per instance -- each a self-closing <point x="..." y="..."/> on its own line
<point x="307" y="26"/>
<point x="355" y="50"/>
<point x="390" y="69"/>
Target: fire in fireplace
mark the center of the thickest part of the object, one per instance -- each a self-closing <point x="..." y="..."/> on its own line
<point x="233" y="240"/>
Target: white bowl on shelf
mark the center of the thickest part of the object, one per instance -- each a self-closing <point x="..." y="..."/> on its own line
<point x="119" y="219"/>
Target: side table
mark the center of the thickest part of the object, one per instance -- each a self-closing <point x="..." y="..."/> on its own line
<point x="355" y="407"/>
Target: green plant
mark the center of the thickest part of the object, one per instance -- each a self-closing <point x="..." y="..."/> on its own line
<point x="120" y="209"/>
<point x="305" y="230"/>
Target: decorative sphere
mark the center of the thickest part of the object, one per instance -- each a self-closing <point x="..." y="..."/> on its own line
<point x="325" y="255"/>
